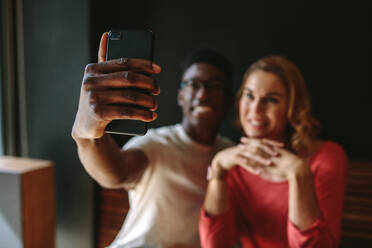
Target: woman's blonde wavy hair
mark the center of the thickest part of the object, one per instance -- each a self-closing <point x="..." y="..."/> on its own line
<point x="302" y="127"/>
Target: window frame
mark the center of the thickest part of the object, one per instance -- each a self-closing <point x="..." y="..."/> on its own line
<point x="13" y="103"/>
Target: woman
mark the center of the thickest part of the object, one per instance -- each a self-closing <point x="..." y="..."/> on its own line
<point x="280" y="187"/>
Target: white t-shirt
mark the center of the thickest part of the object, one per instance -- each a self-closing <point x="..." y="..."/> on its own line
<point x="165" y="204"/>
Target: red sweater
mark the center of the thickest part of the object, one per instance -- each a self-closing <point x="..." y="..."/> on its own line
<point x="258" y="213"/>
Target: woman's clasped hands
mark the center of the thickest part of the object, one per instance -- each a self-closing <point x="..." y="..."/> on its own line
<point x="266" y="158"/>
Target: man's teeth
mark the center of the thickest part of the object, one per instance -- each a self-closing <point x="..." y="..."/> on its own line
<point x="202" y="108"/>
<point x="257" y="123"/>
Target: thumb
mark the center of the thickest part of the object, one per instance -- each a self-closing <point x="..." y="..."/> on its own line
<point x="102" y="48"/>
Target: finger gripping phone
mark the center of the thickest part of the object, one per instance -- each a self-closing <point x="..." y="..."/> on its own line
<point x="129" y="44"/>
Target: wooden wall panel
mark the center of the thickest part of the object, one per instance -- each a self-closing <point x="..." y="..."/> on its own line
<point x="357" y="216"/>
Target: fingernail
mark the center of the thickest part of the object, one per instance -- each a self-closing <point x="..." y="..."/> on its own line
<point x="155" y="105"/>
<point x="154" y="115"/>
<point x="156" y="91"/>
<point x="155" y="67"/>
<point x="156" y="87"/>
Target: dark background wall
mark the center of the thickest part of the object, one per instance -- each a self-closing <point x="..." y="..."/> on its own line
<point x="328" y="41"/>
<point x="56" y="40"/>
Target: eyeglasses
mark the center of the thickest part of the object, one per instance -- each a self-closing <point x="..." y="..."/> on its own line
<point x="214" y="86"/>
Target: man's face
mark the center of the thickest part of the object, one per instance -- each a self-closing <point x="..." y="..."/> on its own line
<point x="203" y="97"/>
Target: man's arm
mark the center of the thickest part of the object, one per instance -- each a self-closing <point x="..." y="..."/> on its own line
<point x="110" y="166"/>
<point x="107" y="94"/>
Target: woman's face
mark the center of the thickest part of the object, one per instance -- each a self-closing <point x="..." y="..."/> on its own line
<point x="263" y="106"/>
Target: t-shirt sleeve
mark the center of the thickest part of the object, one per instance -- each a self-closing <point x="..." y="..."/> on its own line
<point x="329" y="168"/>
<point x="219" y="231"/>
<point x="148" y="144"/>
<point x="151" y="146"/>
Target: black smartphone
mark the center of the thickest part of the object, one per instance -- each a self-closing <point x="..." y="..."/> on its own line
<point x="129" y="44"/>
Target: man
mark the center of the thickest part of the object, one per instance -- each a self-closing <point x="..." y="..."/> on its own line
<point x="165" y="170"/>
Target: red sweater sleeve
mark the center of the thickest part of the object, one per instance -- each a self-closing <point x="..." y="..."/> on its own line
<point x="219" y="231"/>
<point x="329" y="168"/>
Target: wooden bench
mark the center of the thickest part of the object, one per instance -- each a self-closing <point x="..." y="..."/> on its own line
<point x="356" y="222"/>
<point x="357" y="216"/>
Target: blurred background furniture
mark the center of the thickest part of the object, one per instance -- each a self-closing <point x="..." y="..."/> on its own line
<point x="27" y="203"/>
<point x="357" y="216"/>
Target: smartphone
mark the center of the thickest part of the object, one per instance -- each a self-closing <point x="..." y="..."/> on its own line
<point x="129" y="44"/>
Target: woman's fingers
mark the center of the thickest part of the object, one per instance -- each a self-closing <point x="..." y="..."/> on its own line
<point x="259" y="146"/>
<point x="250" y="166"/>
<point x="263" y="157"/>
<point x="263" y="141"/>
<point x="254" y="158"/>
<point x="273" y="143"/>
<point x="263" y="150"/>
<point x="260" y="169"/>
<point x="256" y="155"/>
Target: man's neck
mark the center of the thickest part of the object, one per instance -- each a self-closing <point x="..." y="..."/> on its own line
<point x="202" y="135"/>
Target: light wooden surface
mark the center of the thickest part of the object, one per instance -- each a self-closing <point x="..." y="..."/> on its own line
<point x="21" y="165"/>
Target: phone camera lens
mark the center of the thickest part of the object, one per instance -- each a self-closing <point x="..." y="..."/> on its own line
<point x="114" y="35"/>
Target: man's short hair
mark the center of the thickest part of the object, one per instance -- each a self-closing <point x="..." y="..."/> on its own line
<point x="212" y="57"/>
